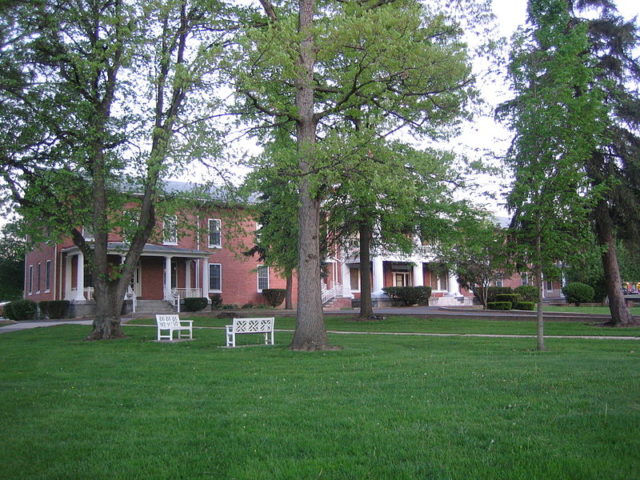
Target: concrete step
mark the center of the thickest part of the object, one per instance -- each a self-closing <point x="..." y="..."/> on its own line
<point x="154" y="306"/>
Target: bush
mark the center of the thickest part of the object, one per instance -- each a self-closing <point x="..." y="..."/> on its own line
<point x="21" y="310"/>
<point x="528" y="293"/>
<point x="578" y="293"/>
<point x="409" y="295"/>
<point x="499" y="305"/>
<point x="195" y="304"/>
<point x="525" y="306"/>
<point x="493" y="291"/>
<point x="54" y="308"/>
<point x="508" y="297"/>
<point x="216" y="300"/>
<point x="274" y="296"/>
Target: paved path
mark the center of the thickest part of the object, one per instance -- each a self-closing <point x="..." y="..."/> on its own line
<point x="40" y="324"/>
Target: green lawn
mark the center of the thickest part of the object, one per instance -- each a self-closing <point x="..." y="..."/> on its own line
<point x="385" y="407"/>
<point x="585" y="309"/>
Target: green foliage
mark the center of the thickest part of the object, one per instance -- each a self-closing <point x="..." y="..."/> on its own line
<point x="493" y="292"/>
<point x="578" y="293"/>
<point x="274" y="296"/>
<point x="528" y="293"/>
<point x="524" y="306"/>
<point x="216" y="300"/>
<point x="195" y="304"/>
<point x="499" y="305"/>
<point x="409" y="295"/>
<point x="54" y="308"/>
<point x="21" y="310"/>
<point x="507" y="297"/>
<point x="12" y="251"/>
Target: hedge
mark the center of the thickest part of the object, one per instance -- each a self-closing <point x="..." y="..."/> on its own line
<point x="409" y="295"/>
<point x="274" y="296"/>
<point x="508" y="297"/>
<point x="54" y="308"/>
<point x="528" y="293"/>
<point x="21" y="310"/>
<point x="499" y="305"/>
<point x="578" y="293"/>
<point x="195" y="304"/>
<point x="493" y="291"/>
<point x="216" y="300"/>
<point x="525" y="306"/>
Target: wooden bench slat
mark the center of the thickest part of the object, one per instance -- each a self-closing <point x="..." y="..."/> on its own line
<point x="173" y="323"/>
<point x="263" y="325"/>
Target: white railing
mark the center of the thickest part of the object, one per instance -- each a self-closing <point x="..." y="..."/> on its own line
<point x="187" y="292"/>
<point x="329" y="294"/>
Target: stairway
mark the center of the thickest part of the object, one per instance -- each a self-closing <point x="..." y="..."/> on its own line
<point x="337" y="303"/>
<point x="154" y="306"/>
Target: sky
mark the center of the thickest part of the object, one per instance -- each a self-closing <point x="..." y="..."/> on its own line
<point x="485" y="138"/>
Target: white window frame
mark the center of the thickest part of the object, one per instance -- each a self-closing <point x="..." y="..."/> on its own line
<point x="356" y="290"/>
<point x="170" y="222"/>
<point x="524" y="277"/>
<point x="211" y="289"/>
<point x="210" y="222"/>
<point x="30" y="280"/>
<point x="47" y="276"/>
<point x="260" y="269"/>
<point x="39" y="277"/>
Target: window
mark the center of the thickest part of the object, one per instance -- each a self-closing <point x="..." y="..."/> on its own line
<point x="170" y="231"/>
<point x="30" y="279"/>
<point x="263" y="277"/>
<point x="47" y="276"/>
<point x="215" y="237"/>
<point x="215" y="277"/>
<point x="87" y="233"/>
<point x="549" y="285"/>
<point x="499" y="283"/>
<point x="525" y="278"/>
<point x="38" y="277"/>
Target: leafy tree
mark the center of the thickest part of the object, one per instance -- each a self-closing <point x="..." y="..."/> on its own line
<point x="319" y="62"/>
<point x="614" y="164"/>
<point x="12" y="251"/>
<point x="558" y="118"/>
<point x="93" y="95"/>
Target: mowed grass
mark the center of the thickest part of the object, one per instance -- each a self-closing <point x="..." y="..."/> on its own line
<point x="385" y="407"/>
<point x="598" y="309"/>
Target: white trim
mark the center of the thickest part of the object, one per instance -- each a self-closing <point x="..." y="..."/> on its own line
<point x="213" y="290"/>
<point x="30" y="280"/>
<point x="209" y="223"/>
<point x="258" y="270"/>
<point x="166" y="223"/>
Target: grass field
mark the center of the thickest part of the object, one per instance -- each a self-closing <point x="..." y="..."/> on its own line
<point x="385" y="407"/>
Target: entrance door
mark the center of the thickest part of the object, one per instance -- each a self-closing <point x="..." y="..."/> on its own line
<point x="136" y="281"/>
<point x="401" y="279"/>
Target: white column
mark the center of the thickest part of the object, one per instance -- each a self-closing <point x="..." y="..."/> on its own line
<point x="378" y="276"/>
<point x="167" y="278"/>
<point x="454" y="288"/>
<point x="67" y="278"/>
<point x="205" y="278"/>
<point x="346" y="281"/>
<point x="418" y="275"/>
<point x="79" y="296"/>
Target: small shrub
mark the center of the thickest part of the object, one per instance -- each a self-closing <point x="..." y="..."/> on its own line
<point x="409" y="295"/>
<point x="493" y="291"/>
<point x="274" y="296"/>
<point x="525" y="306"/>
<point x="247" y="306"/>
<point x="230" y="306"/>
<point x="6" y="311"/>
<point x="508" y="297"/>
<point x="195" y="304"/>
<point x="578" y="293"/>
<point x="528" y="293"/>
<point x="54" y="308"/>
<point x="22" y="310"/>
<point x="216" y="300"/>
<point x="499" y="305"/>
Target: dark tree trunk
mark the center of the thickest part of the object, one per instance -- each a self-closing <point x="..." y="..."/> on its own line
<point x="310" y="331"/>
<point x="366" y="305"/>
<point x="620" y="315"/>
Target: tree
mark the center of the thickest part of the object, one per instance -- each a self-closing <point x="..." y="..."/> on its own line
<point x="558" y="118"/>
<point x="316" y="63"/>
<point x="12" y="251"/>
<point x="614" y="164"/>
<point x="96" y="91"/>
<point x="477" y="253"/>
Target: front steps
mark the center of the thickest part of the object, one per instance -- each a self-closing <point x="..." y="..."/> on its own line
<point x="154" y="306"/>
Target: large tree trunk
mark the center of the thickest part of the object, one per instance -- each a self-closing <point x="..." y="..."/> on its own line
<point x="288" y="299"/>
<point x="310" y="331"/>
<point x="366" y="305"/>
<point x="540" y="311"/>
<point x="620" y="315"/>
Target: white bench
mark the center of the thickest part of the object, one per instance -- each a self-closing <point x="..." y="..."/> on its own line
<point x="172" y="323"/>
<point x="251" y="325"/>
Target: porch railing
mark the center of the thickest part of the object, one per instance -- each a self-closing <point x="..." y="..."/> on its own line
<point x="186" y="292"/>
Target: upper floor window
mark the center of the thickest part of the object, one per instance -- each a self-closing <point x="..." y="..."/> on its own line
<point x="215" y="235"/>
<point x="525" y="278"/>
<point x="263" y="277"/>
<point x="170" y="230"/>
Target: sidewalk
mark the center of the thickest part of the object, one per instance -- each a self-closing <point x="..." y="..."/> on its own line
<point x="26" y="325"/>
